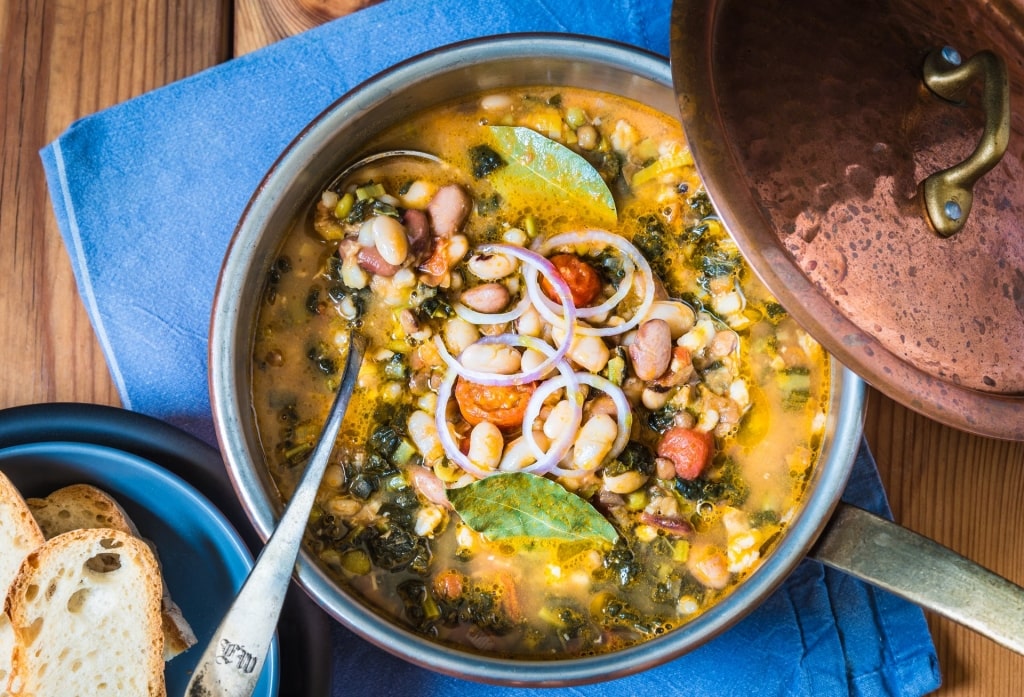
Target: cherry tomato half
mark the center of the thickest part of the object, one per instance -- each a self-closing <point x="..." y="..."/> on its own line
<point x="583" y="280"/>
<point x="503" y="406"/>
<point x="688" y="449"/>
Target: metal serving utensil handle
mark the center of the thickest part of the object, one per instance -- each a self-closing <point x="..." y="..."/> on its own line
<point x="924" y="572"/>
<point x="233" y="660"/>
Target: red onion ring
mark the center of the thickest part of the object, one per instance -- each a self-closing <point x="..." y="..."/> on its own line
<point x="451" y="448"/>
<point x="568" y="377"/>
<point x="546" y="460"/>
<point x="590" y="237"/>
<point x="475" y="317"/>
<point x="624" y="420"/>
<point x="480" y="377"/>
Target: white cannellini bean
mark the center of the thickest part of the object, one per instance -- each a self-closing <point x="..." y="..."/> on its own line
<point x="428" y="520"/>
<point x="624" y="137"/>
<point x="404" y="278"/>
<point x="680" y="316"/>
<point x="594" y="441"/>
<point x="352" y="274"/>
<point x="458" y="245"/>
<point x="495" y="358"/>
<point x="347" y="308"/>
<point x="334" y="477"/>
<point x="424" y="435"/>
<point x="427" y="402"/>
<point x="492" y="267"/>
<point x="485" y="445"/>
<point x="532" y="358"/>
<point x="459" y="335"/>
<point x="496" y="102"/>
<point x="519" y="455"/>
<point x="530" y="322"/>
<point x="739" y="393"/>
<point x="515" y="236"/>
<point x="329" y="199"/>
<point x="342" y="507"/>
<point x="625" y="483"/>
<point x="699" y="337"/>
<point x="365" y="237"/>
<point x="559" y="419"/>
<point x="727" y="304"/>
<point x="390" y="239"/>
<point x="587" y="351"/>
<point x="418" y="194"/>
<point x="652" y="399"/>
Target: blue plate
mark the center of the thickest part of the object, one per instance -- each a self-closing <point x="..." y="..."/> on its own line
<point x="204" y="560"/>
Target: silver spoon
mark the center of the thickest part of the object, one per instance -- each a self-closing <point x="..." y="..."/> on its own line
<point x="233" y="660"/>
<point x="383" y="155"/>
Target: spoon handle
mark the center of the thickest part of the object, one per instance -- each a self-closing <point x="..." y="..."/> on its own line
<point x="233" y="660"/>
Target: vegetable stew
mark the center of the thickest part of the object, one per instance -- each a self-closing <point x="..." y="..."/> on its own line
<point x="582" y="419"/>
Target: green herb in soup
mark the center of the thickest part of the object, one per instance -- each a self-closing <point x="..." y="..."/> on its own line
<point x="582" y="420"/>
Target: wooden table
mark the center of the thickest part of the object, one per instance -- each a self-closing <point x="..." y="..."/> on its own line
<point x="63" y="59"/>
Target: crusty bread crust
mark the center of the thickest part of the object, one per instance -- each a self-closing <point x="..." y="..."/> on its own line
<point x="19" y="533"/>
<point x="85" y="608"/>
<point x="19" y="536"/>
<point x="79" y="507"/>
<point x="83" y="506"/>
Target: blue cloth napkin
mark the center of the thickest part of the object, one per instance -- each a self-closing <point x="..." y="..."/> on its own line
<point x="147" y="194"/>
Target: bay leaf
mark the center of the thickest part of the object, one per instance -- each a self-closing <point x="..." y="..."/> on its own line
<point x="522" y="505"/>
<point x="541" y="167"/>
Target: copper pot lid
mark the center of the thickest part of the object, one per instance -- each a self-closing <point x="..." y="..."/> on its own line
<point x="815" y="130"/>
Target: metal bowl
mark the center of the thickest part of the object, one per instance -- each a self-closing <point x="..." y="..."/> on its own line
<point x="337" y="138"/>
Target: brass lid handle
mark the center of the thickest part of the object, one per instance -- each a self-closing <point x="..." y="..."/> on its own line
<point x="948" y="195"/>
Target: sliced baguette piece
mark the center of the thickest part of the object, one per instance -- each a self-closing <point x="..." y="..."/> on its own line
<point x="85" y="608"/>
<point x="79" y="507"/>
<point x="19" y="533"/>
<point x="19" y="536"/>
<point x="83" y="506"/>
<point x="7" y="643"/>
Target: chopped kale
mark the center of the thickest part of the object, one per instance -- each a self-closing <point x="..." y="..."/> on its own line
<point x="723" y="484"/>
<point x="701" y="206"/>
<point x="764" y="517"/>
<point x="622" y="563"/>
<point x="484" y="160"/>
<point x="320" y="356"/>
<point x="774" y="310"/>
<point x="662" y="419"/>
<point x="366" y="208"/>
<point x="635" y="457"/>
<point x="652" y="239"/>
<point x="607" y="163"/>
<point x="434" y="307"/>
<point x="488" y="205"/>
<point x="314" y="305"/>
<point x="396" y="548"/>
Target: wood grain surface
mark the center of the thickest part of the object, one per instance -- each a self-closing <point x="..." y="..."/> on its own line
<point x="63" y="59"/>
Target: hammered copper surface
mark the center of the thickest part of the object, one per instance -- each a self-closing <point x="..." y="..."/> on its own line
<point x="813" y="130"/>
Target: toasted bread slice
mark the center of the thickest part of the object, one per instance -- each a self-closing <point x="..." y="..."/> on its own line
<point x="79" y="507"/>
<point x="85" y="608"/>
<point x="19" y="536"/>
<point x="19" y="533"/>
<point x="83" y="506"/>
